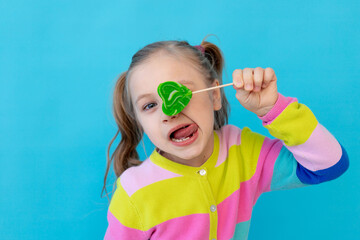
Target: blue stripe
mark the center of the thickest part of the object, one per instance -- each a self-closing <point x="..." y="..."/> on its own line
<point x="284" y="175"/>
<point x="315" y="177"/>
<point x="241" y="231"/>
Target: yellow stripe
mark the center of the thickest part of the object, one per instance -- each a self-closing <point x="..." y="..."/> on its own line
<point x="240" y="165"/>
<point x="122" y="208"/>
<point x="294" y="125"/>
<point x="169" y="199"/>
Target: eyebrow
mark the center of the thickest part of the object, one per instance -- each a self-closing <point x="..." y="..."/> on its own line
<point x="185" y="82"/>
<point x="142" y="96"/>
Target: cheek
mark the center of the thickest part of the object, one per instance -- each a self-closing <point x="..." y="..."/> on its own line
<point x="141" y="122"/>
<point x="201" y="102"/>
<point x="148" y="125"/>
<point x="202" y="110"/>
<point x="143" y="125"/>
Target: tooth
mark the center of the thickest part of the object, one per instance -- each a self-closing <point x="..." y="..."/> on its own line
<point x="180" y="140"/>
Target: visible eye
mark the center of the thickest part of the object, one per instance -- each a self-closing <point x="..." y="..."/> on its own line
<point x="149" y="106"/>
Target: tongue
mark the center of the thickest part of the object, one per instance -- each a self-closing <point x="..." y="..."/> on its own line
<point x="185" y="132"/>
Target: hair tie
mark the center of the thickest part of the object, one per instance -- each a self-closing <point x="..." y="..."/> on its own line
<point x="201" y="48"/>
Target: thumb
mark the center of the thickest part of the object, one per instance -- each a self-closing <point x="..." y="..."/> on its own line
<point x="242" y="95"/>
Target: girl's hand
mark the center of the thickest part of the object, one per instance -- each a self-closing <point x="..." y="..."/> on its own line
<point x="256" y="89"/>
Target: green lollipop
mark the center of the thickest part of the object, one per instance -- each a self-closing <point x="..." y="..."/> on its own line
<point x="175" y="97"/>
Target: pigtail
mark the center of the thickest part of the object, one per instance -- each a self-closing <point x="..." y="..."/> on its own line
<point x="214" y="55"/>
<point x="125" y="154"/>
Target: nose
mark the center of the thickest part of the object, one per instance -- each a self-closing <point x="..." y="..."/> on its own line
<point x="166" y="118"/>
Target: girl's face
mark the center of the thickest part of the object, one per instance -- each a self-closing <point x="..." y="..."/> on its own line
<point x="193" y="144"/>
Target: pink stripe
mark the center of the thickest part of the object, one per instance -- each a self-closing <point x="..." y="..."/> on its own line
<point x="228" y="136"/>
<point x="194" y="226"/>
<point x="319" y="152"/>
<point x="269" y="153"/>
<point x="228" y="212"/>
<point x="281" y="103"/>
<point x="116" y="230"/>
<point x="238" y="206"/>
<point x="141" y="176"/>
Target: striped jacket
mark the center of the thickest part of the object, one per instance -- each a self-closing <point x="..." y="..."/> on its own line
<point x="165" y="200"/>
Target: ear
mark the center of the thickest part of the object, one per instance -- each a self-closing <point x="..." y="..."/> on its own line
<point x="216" y="96"/>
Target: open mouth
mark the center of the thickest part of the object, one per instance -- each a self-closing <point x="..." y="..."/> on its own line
<point x="183" y="133"/>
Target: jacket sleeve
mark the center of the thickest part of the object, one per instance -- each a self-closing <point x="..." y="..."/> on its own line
<point x="123" y="218"/>
<point x="303" y="153"/>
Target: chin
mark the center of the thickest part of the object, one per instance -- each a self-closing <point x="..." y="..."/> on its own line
<point x="183" y="154"/>
<point x="189" y="155"/>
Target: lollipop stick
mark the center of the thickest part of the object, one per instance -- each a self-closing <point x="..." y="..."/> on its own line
<point x="207" y="89"/>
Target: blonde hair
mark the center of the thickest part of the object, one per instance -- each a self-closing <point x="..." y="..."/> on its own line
<point x="208" y="59"/>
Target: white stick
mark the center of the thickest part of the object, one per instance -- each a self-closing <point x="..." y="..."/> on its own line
<point x="207" y="89"/>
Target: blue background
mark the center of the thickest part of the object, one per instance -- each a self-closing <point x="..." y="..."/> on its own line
<point x="59" y="61"/>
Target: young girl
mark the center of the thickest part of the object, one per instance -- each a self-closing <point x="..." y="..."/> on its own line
<point x="204" y="177"/>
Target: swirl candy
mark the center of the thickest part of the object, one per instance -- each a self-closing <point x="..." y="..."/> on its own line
<point x="175" y="97"/>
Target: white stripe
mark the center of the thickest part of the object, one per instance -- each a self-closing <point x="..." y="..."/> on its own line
<point x="171" y="94"/>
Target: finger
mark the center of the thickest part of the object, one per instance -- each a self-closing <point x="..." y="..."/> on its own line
<point x="238" y="78"/>
<point x="248" y="79"/>
<point x="269" y="75"/>
<point x="258" y="78"/>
